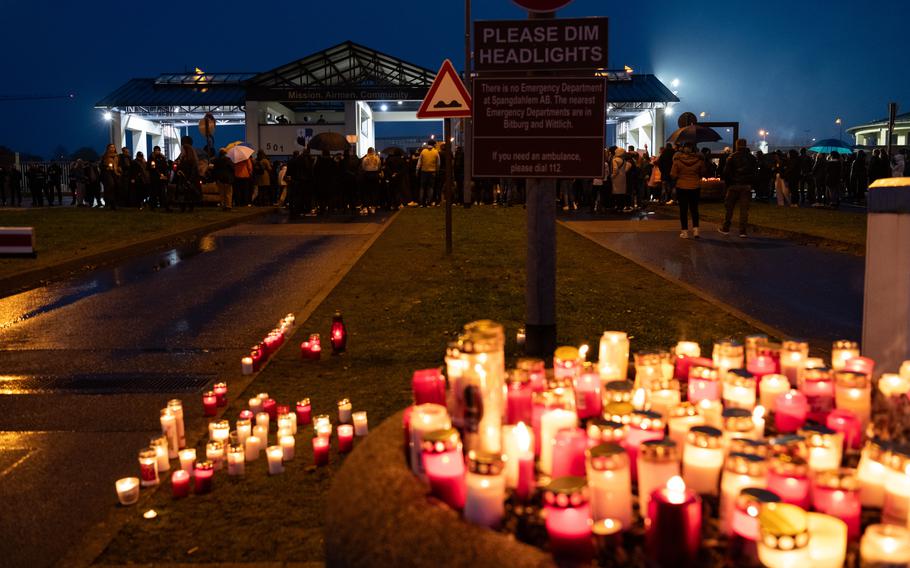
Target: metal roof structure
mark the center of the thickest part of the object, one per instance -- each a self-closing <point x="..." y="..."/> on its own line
<point x="631" y="93"/>
<point x="883" y="123"/>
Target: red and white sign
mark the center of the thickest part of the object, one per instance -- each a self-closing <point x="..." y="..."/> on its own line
<point x="542" y="5"/>
<point x="17" y="240"/>
<point x="447" y="97"/>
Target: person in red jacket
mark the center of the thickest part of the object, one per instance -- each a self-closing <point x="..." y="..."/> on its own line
<point x="243" y="178"/>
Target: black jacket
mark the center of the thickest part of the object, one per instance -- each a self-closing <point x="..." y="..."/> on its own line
<point x="741" y="168"/>
<point x="223" y="170"/>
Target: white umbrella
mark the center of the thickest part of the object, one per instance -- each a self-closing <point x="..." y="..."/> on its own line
<point x="240" y="153"/>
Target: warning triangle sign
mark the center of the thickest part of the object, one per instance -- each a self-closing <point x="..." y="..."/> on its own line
<point x="448" y="97"/>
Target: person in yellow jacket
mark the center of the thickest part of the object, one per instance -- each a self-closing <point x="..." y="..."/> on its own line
<point x="427" y="167"/>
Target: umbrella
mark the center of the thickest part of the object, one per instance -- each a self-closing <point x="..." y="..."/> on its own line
<point x="393" y="151"/>
<point x="240" y="153"/>
<point x="694" y="134"/>
<point x="831" y="145"/>
<point x="331" y="141"/>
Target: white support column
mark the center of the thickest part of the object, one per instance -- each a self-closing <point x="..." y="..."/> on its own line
<point x="116" y="126"/>
<point x="252" y="123"/>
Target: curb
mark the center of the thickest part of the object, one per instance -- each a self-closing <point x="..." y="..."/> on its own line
<point x="96" y="538"/>
<point x="32" y="278"/>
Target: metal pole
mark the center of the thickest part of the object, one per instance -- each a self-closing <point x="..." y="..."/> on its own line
<point x="447" y="186"/>
<point x="468" y="123"/>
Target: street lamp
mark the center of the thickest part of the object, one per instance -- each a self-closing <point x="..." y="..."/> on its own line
<point x="108" y="116"/>
<point x="840" y="123"/>
<point x="674" y="83"/>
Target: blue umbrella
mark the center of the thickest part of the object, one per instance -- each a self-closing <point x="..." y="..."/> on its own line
<point x="831" y="145"/>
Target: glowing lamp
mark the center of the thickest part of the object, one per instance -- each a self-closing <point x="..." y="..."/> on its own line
<point x="339" y="334"/>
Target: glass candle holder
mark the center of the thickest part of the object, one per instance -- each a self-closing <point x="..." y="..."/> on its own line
<point x="176" y="407"/>
<point x="251" y="448"/>
<point x="322" y="425"/>
<point x="601" y="430"/>
<point x="148" y="467"/>
<point x="618" y="391"/>
<point x="644" y="425"/>
<point x="486" y="490"/>
<point x="836" y="493"/>
<point x="180" y="484"/>
<point x="885" y="545"/>
<point x="288" y="445"/>
<point x="613" y="356"/>
<point x="681" y="419"/>
<point x="244" y="430"/>
<point x="274" y="455"/>
<point x="556" y="415"/>
<point x="588" y="403"/>
<point x="361" y="426"/>
<point x="220" y="431"/>
<point x="818" y="386"/>
<point x="261" y="432"/>
<point x="345" y="409"/>
<point x="320" y="451"/>
<point x="872" y="471"/>
<point x="652" y="367"/>
<point x="566" y="363"/>
<point x="304" y="412"/>
<point x="896" y="510"/>
<point x="345" y="438"/>
<point x="737" y="424"/>
<point x="518" y="445"/>
<point x="891" y="384"/>
<point x="845" y="422"/>
<point x="703" y="384"/>
<point x="246" y="365"/>
<point x="853" y="392"/>
<point x="236" y="460"/>
<point x="204" y="474"/>
<point x="429" y="387"/>
<point x="784" y="539"/>
<point x="793" y="355"/>
<point x="214" y="452"/>
<point x="221" y="391"/>
<point x="187" y="459"/>
<point x="740" y="471"/>
<point x="828" y="542"/>
<point x="788" y="477"/>
<point x="569" y="453"/>
<point x="842" y="351"/>
<point x="712" y="413"/>
<point x="748" y="446"/>
<point x="685" y="353"/>
<point x="536" y="370"/>
<point x="728" y="354"/>
<point x="127" y="490"/>
<point x="790" y="444"/>
<point x="658" y="461"/>
<point x="445" y="467"/>
<point x="664" y="396"/>
<point x="610" y="483"/>
<point x="863" y="365"/>
<point x="703" y="459"/>
<point x="519" y="400"/>
<point x="791" y="411"/>
<point x="482" y="385"/>
<point x="255" y="404"/>
<point x="739" y="389"/>
<point x="568" y="520"/>
<point x="752" y="344"/>
<point x="270" y="407"/>
<point x="425" y="418"/>
<point x="160" y="445"/>
<point x="761" y="366"/>
<point x="770" y="387"/>
<point x="826" y="447"/>
<point x="673" y="533"/>
<point x="746" y="527"/>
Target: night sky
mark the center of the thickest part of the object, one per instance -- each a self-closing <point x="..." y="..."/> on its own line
<point x="788" y="67"/>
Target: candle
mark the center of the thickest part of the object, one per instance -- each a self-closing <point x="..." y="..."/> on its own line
<point x="673" y="533"/>
<point x="760" y="366"/>
<point x="304" y="412"/>
<point x="897" y="487"/>
<point x="566" y="363"/>
<point x="826" y="447"/>
<point x="746" y="527"/>
<point x="652" y="367"/>
<point x="788" y="477"/>
<point x="739" y="389"/>
<point x="827" y="541"/>
<point x="885" y="545"/>
<point x="588" y="402"/>
<point x="893" y="385"/>
<point x="703" y="384"/>
<point x="127" y="490"/>
<point x="703" y="459"/>
<point x="519" y="401"/>
<point x="320" y="451"/>
<point x="444" y="465"/>
<point x="613" y="356"/>
<point x="187" y="459"/>
<point x="737" y="424"/>
<point x="244" y="430"/>
<point x="770" y="387"/>
<point x="818" y="386"/>
<point x="360" y="423"/>
<point x="569" y="453"/>
<point x="758" y="419"/>
<point x="246" y="414"/>
<point x="235" y="460"/>
<point x="658" y="461"/>
<point x="536" y="370"/>
<point x="148" y="467"/>
<point x="791" y="410"/>
<point x="246" y="365"/>
<point x="618" y="391"/>
<point x="344" y="411"/>
<point x="790" y="444"/>
<point x="664" y="396"/>
<point x="214" y="452"/>
<point x="872" y="471"/>
<point x="429" y="387"/>
<point x="180" y="484"/>
<point x="748" y="446"/>
<point x="219" y="431"/>
<point x="753" y="346"/>
<point x="687" y="353"/>
<point x="251" y="448"/>
<point x="740" y="471"/>
<point x="345" y="438"/>
<point x="221" y="390"/>
<point x="270" y="407"/>
<point x="261" y="432"/>
<point x="275" y="455"/>
<point x="681" y="419"/>
<point x="486" y="488"/>
<point x="793" y="355"/>
<point x="610" y="481"/>
<point x="161" y="453"/>
<point x="862" y="365"/>
<point x="841" y="352"/>
<point x="784" y="541"/>
<point x="552" y="421"/>
<point x="644" y="425"/>
<point x="322" y="424"/>
<point x="853" y="392"/>
<point x="728" y="354"/>
<point x="845" y="422"/>
<point x="204" y="474"/>
<point x="836" y="493"/>
<point x="712" y="413"/>
<point x="255" y="405"/>
<point x="425" y="418"/>
<point x="176" y="408"/>
<point x="568" y="520"/>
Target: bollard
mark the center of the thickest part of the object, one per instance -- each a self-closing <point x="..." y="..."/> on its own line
<point x="886" y="304"/>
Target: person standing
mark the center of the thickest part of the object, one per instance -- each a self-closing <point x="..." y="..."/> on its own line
<point x="665" y="164"/>
<point x="187" y="176"/>
<point x="37" y="179"/>
<point x="262" y="171"/>
<point x="125" y="188"/>
<point x="54" y="183"/>
<point x="370" y="165"/>
<point x="898" y="164"/>
<point x="427" y="167"/>
<point x="688" y="170"/>
<point x="740" y="173"/>
<point x="4" y="176"/>
<point x="243" y="174"/>
<point x="619" y="175"/>
<point x="158" y="174"/>
<point x="223" y="175"/>
<point x="110" y="175"/>
<point x="859" y="176"/>
<point x="834" y="174"/>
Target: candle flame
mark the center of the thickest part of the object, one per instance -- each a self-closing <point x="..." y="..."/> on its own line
<point x="676" y="490"/>
<point x="639" y="398"/>
<point x="758" y="413"/>
<point x="522" y="437"/>
<point x="583" y="352"/>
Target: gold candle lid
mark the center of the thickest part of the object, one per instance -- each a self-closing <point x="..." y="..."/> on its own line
<point x="845" y="344"/>
<point x="748" y="446"/>
<point x="618" y="391"/>
<point x="751" y="499"/>
<point x="783" y="526"/>
<point x="792" y="444"/>
<point x="619" y="412"/>
<point x="303" y="402"/>
<point x="843" y="479"/>
<point x="851" y="379"/>
<point x="789" y="466"/>
<point x="878" y="449"/>
<point x="608" y="456"/>
<point x="647" y="420"/>
<point x="482" y="463"/>
<point x="567" y="353"/>
<point x="739" y="378"/>
<point x="899" y="459"/>
<point x="745" y="464"/>
<point x="519" y="377"/>
<point x="817" y="374"/>
<point x="659" y="450"/>
<point x="702" y="373"/>
<point x="565" y="492"/>
<point x="440" y="441"/>
<point x="531" y="364"/>
<point x="606" y="430"/>
<point x="705" y="437"/>
<point x="683" y="410"/>
<point x="738" y="420"/>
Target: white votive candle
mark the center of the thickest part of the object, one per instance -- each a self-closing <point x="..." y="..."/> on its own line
<point x="246" y="365"/>
<point x="613" y="356"/>
<point x="169" y="429"/>
<point x="344" y="411"/>
<point x="251" y="448"/>
<point x="551" y="422"/>
<point x="703" y="459"/>
<point x="658" y="461"/>
<point x="897" y="488"/>
<point x="127" y="490"/>
<point x="740" y="471"/>
<point x="827" y="541"/>
<point x="885" y="545"/>
<point x="255" y="405"/>
<point x="872" y="472"/>
<point x="236" y="460"/>
<point x="214" y="452"/>
<point x="287" y="447"/>
<point x="274" y="454"/>
<point x="188" y="460"/>
<point x="361" y="428"/>
<point x="262" y="419"/>
<point x="771" y="386"/>
<point x="486" y="490"/>
<point x="244" y="430"/>
<point x="610" y="483"/>
<point x="853" y="392"/>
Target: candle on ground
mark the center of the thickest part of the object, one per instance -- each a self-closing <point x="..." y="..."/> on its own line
<point x="188" y="459"/>
<point x="235" y="460"/>
<point x="246" y="365"/>
<point x="568" y="520"/>
<point x="261" y="432"/>
<point x="770" y="387"/>
<point x="345" y="438"/>
<point x="425" y="418"/>
<point x="161" y="452"/>
<point x="221" y="390"/>
<point x="275" y="456"/>
<point x="486" y="487"/>
<point x="652" y="367"/>
<point x="610" y="483"/>
<point x="588" y="403"/>
<point x="828" y="541"/>
<point x="287" y="448"/>
<point x="737" y="424"/>
<point x="793" y="355"/>
<point x="361" y="427"/>
<point x="444" y="464"/>
<point x="791" y="411"/>
<point x="703" y="459"/>
<point x="643" y="426"/>
<point x="320" y="451"/>
<point x="255" y="405"/>
<point x="148" y="467"/>
<point x="251" y="448"/>
<point x="836" y="493"/>
<point x="728" y="354"/>
<point x="854" y="393"/>
<point x="664" y="396"/>
<point x="754" y="345"/>
<point x="270" y="407"/>
<point x="740" y="471"/>
<point x="169" y="429"/>
<point x="429" y="387"/>
<point x="204" y="474"/>
<point x="536" y="370"/>
<point x="788" y="477"/>
<point x="180" y="484"/>
<point x="885" y="545"/>
<point x="784" y="541"/>
<point x="686" y="352"/>
<point x="673" y="534"/>
<point x="761" y="366"/>
<point x="743" y="544"/>
<point x="304" y="412"/>
<point x="344" y="411"/>
<point x="863" y="365"/>
<point x="569" y="453"/>
<point x="244" y="430"/>
<point x="658" y="461"/>
<point x="891" y="384"/>
<point x="872" y="472"/>
<point x="703" y="384"/>
<point x="613" y="356"/>
<point x="818" y="386"/>
<point x="552" y="421"/>
<point x="739" y="389"/>
<point x="712" y="413"/>
<point x="214" y="452"/>
<point x="127" y="490"/>
<point x="601" y="430"/>
<point x="897" y="487"/>
<point x="842" y="351"/>
<point x="826" y="447"/>
<point x="845" y="422"/>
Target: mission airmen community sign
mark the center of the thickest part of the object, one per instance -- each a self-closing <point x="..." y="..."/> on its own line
<point x="542" y="5"/>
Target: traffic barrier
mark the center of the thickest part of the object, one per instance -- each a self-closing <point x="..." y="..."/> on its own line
<point x="17" y="241"/>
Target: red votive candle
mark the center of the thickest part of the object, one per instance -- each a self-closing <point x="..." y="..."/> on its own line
<point x="220" y="390"/>
<point x="569" y="520"/>
<point x="203" y="474"/>
<point x="429" y="387"/>
<point x="569" y="453"/>
<point x="703" y="384"/>
<point x="519" y="405"/>
<point x="246" y="415"/>
<point x="345" y="438"/>
<point x="836" y="493"/>
<point x="644" y="425"/>
<point x="673" y="534"/>
<point x="788" y="477"/>
<point x="525" y="486"/>
<point x="270" y="407"/>
<point x="818" y="386"/>
<point x="790" y="411"/>
<point x="304" y="412"/>
<point x="258" y="357"/>
<point x="846" y="422"/>
<point x="180" y="483"/>
<point x="444" y="466"/>
<point x="588" y="403"/>
<point x="743" y="546"/>
<point x="761" y="365"/>
<point x="862" y="365"/>
<point x="209" y="403"/>
<point x="320" y="450"/>
<point x="684" y="366"/>
<point x="537" y="372"/>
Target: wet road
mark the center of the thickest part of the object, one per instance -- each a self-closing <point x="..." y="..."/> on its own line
<point x="807" y="292"/>
<point x="86" y="364"/>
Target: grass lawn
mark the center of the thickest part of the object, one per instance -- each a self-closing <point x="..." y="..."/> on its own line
<point x="65" y="233"/>
<point x="828" y="224"/>
<point x="403" y="301"/>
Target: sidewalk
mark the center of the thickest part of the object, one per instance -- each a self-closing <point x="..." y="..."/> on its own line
<point x="806" y="292"/>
